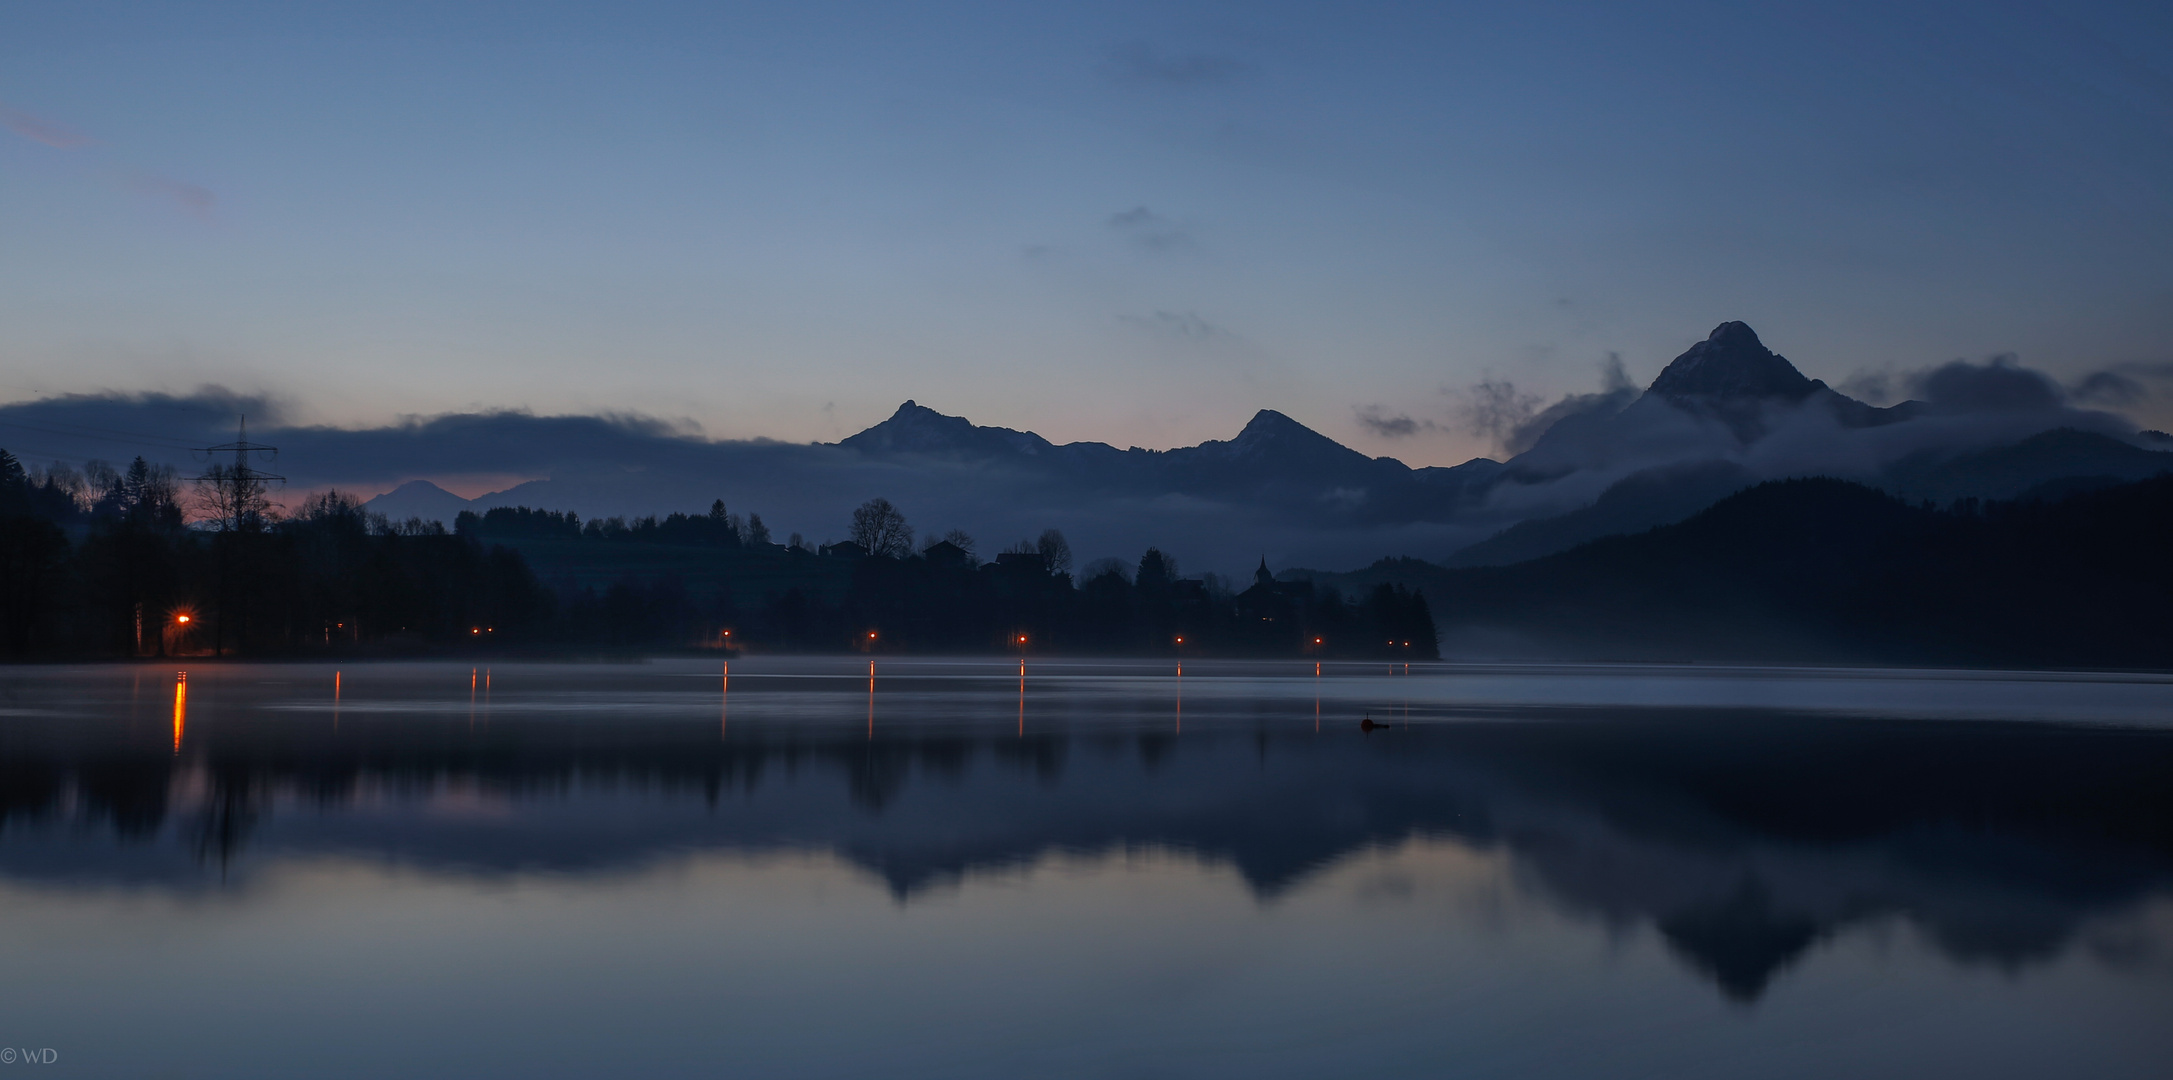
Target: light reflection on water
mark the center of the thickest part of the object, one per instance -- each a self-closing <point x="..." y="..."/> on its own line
<point x="643" y="869"/>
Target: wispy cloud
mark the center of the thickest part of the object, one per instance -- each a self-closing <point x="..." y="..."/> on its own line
<point x="1391" y="425"/>
<point x="187" y="197"/>
<point x="192" y="199"/>
<point x="1180" y="325"/>
<point x="1148" y="229"/>
<point x="40" y="130"/>
<point x="1141" y="62"/>
<point x="2107" y="388"/>
<point x="1494" y="408"/>
<point x="2121" y="384"/>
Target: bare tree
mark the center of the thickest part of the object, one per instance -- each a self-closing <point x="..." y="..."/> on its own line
<point x="880" y="529"/>
<point x="754" y="533"/>
<point x="1055" y="550"/>
<point x="233" y="499"/>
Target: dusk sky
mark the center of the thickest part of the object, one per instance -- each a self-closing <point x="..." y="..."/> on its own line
<point x="1129" y="223"/>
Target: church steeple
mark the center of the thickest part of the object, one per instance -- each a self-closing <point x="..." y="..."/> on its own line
<point x="1261" y="576"/>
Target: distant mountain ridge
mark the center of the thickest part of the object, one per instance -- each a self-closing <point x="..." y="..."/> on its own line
<point x="1725" y="414"/>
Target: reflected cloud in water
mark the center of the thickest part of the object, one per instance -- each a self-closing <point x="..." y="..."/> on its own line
<point x="1746" y="838"/>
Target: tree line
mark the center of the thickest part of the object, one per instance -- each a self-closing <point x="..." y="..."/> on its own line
<point x="137" y="562"/>
<point x="107" y="562"/>
<point x="885" y="594"/>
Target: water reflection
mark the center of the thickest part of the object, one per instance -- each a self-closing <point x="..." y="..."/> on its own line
<point x="1745" y="838"/>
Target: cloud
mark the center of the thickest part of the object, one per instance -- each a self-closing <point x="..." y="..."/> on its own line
<point x="1997" y="385"/>
<point x="1149" y="229"/>
<point x="188" y="197"/>
<point x="1141" y="62"/>
<point x="2001" y="383"/>
<point x="1493" y="408"/>
<point x="1181" y="325"/>
<point x="1875" y="387"/>
<point x="1378" y="420"/>
<point x="44" y="131"/>
<point x="2121" y="384"/>
<point x="192" y="199"/>
<point x="2108" y="388"/>
<point x="1616" y="392"/>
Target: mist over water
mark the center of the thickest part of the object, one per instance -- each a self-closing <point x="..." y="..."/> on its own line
<point x="943" y="868"/>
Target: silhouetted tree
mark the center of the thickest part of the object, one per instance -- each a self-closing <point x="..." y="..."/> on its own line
<point x="1055" y="550"/>
<point x="880" y="529"/>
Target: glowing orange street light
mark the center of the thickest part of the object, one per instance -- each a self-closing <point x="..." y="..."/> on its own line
<point x="181" y="618"/>
<point x="871" y="635"/>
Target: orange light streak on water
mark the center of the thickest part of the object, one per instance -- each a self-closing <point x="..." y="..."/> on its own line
<point x="181" y="706"/>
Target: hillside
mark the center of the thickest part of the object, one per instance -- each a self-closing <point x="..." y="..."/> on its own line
<point x="1826" y="570"/>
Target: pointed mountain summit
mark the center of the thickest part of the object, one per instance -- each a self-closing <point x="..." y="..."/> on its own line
<point x="1270" y="435"/>
<point x="918" y="429"/>
<point x="1732" y="363"/>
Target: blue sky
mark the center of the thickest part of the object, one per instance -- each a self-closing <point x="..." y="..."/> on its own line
<point x="1130" y="223"/>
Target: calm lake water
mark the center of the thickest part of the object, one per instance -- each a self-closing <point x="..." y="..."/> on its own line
<point x="1091" y="869"/>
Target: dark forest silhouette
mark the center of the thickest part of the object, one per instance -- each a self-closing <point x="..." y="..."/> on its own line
<point x="1829" y="571"/>
<point x="105" y="563"/>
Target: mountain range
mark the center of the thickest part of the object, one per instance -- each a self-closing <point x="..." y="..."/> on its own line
<point x="1725" y="415"/>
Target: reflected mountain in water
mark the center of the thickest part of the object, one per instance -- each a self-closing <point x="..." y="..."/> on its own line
<point x="1744" y="838"/>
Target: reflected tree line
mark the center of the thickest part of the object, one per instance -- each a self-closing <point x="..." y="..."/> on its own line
<point x="1743" y="845"/>
<point x="135" y="562"/>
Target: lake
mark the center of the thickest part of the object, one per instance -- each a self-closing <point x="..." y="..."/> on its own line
<point x="948" y="868"/>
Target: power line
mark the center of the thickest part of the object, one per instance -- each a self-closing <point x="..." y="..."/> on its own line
<point x="241" y="448"/>
<point x="134" y="439"/>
